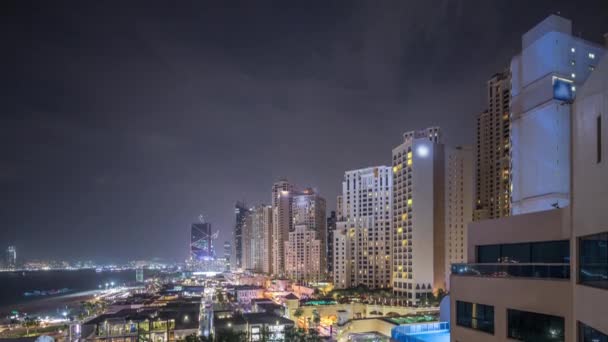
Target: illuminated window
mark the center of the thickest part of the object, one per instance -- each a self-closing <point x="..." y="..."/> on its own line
<point x="591" y="55"/>
<point x="573" y="75"/>
<point x="409" y="202"/>
<point x="572" y="50"/>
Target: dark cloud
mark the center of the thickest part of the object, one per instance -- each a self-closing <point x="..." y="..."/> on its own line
<point x="123" y="121"/>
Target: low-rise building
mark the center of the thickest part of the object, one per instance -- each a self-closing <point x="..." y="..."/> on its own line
<point x="245" y="293"/>
<point x="132" y="325"/>
<point x="255" y="326"/>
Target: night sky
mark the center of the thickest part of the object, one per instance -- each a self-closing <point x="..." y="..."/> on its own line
<point x="121" y="122"/>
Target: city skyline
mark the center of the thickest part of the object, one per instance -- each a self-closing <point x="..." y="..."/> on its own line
<point x="112" y="138"/>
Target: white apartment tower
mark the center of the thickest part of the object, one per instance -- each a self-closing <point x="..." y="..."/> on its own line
<point x="366" y="202"/>
<point x="458" y="204"/>
<point x="282" y="193"/>
<point x="418" y="215"/>
<point x="544" y="78"/>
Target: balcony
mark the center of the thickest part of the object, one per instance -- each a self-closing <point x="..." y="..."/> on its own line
<point x="516" y="270"/>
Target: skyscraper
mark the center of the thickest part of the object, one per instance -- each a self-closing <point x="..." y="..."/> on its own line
<point x="331" y="227"/>
<point x="256" y="235"/>
<point x="493" y="166"/>
<point x="366" y="202"/>
<point x="201" y="242"/>
<point x="308" y="209"/>
<point x="241" y="212"/>
<point x="11" y="257"/>
<point x="458" y="204"/>
<point x="339" y="209"/>
<point x="246" y="243"/>
<point x="227" y="253"/>
<point x="282" y="192"/>
<point x="418" y="215"/>
<point x="544" y="78"/>
<point x="551" y="282"/>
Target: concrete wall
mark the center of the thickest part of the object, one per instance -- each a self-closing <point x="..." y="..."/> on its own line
<point x="552" y="297"/>
<point x="590" y="189"/>
<point x="547" y="225"/>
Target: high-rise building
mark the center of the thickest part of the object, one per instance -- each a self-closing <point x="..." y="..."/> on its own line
<point x="367" y="199"/>
<point x="308" y="209"/>
<point x="342" y="260"/>
<point x="11" y="257"/>
<point x="458" y="204"/>
<point x="201" y="242"/>
<point x="241" y="212"/>
<point x="493" y="164"/>
<point x="302" y="251"/>
<point x="418" y="215"/>
<point x="227" y="253"/>
<point x="282" y="193"/>
<point x="542" y="275"/>
<point x="246" y="243"/>
<point x="256" y="251"/>
<point x="589" y="238"/>
<point x="544" y="78"/>
<point x="331" y="227"/>
<point x="339" y="209"/>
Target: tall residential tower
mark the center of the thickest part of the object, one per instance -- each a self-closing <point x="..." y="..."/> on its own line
<point x="418" y="215"/>
<point x="493" y="164"/>
<point x="366" y="202"/>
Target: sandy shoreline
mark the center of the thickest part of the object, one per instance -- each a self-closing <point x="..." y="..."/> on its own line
<point x="52" y="305"/>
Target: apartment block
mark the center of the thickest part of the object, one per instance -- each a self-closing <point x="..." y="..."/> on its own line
<point x="418" y="238"/>
<point x="493" y="162"/>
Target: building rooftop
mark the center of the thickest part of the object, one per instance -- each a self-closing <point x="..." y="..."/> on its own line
<point x="247" y="287"/>
<point x="184" y="317"/>
<point x="265" y="318"/>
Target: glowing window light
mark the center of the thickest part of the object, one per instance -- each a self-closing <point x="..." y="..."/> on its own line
<point x="591" y="55"/>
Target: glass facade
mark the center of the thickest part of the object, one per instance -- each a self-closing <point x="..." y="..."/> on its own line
<point x="475" y="316"/>
<point x="529" y="252"/>
<point x="532" y="326"/>
<point x="593" y="260"/>
<point x="552" y="271"/>
<point x="588" y="334"/>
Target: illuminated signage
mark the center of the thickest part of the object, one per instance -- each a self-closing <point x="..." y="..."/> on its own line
<point x="563" y="89"/>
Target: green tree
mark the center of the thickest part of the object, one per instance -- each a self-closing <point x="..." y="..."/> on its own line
<point x="29" y="323"/>
<point x="298" y="313"/>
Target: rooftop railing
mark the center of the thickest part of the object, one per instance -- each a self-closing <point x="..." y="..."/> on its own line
<point x="513" y="270"/>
